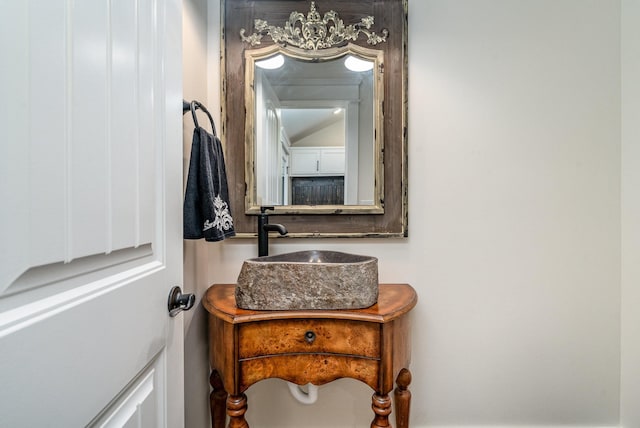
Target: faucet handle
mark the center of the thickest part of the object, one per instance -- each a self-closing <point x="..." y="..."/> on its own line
<point x="264" y="208"/>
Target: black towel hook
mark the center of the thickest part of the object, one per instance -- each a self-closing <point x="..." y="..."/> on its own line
<point x="193" y="106"/>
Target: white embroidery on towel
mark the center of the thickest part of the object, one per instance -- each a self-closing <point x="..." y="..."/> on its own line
<point x="223" y="220"/>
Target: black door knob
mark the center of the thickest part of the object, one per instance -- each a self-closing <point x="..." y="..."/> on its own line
<point x="179" y="302"/>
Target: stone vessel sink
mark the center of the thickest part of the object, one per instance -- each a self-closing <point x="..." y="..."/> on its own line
<point x="308" y="280"/>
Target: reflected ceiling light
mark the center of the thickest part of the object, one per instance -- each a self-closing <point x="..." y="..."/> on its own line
<point x="271" y="63"/>
<point x="357" y="64"/>
<point x="337" y="110"/>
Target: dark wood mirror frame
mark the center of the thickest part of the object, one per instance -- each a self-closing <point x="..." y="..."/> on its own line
<point x="388" y="14"/>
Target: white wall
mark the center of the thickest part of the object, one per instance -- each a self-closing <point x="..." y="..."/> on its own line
<point x="195" y="86"/>
<point x="520" y="209"/>
<point x="630" y="385"/>
<point x="330" y="135"/>
<point x="514" y="222"/>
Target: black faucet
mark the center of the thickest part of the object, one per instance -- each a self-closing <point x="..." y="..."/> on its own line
<point x="264" y="227"/>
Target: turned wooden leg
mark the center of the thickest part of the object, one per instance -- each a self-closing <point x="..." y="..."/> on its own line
<point x="236" y="408"/>
<point x="402" y="399"/>
<point x="217" y="401"/>
<point x="381" y="405"/>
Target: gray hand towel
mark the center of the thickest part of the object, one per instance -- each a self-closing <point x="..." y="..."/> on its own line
<point x="207" y="213"/>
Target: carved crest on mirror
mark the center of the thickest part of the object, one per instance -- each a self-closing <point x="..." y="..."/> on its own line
<point x="314" y="32"/>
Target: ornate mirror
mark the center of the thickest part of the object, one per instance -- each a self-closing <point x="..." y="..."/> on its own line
<point x="314" y="112"/>
<point x="313" y="130"/>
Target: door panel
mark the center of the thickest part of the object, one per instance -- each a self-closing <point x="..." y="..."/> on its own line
<point x="90" y="230"/>
<point x="138" y="407"/>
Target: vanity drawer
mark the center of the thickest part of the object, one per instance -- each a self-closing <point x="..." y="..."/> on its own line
<point x="317" y="369"/>
<point x="263" y="338"/>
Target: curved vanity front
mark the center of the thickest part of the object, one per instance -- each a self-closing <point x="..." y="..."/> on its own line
<point x="310" y="346"/>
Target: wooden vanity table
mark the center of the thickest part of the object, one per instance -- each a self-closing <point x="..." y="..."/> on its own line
<point x="310" y="346"/>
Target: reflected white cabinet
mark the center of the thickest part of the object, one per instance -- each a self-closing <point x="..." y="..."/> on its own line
<point x="310" y="161"/>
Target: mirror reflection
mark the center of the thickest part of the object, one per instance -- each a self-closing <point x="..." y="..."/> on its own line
<point x="315" y="132"/>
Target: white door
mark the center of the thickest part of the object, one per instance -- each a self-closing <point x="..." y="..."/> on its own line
<point x="90" y="204"/>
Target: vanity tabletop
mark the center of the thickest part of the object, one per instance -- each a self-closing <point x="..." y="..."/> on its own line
<point x="394" y="300"/>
